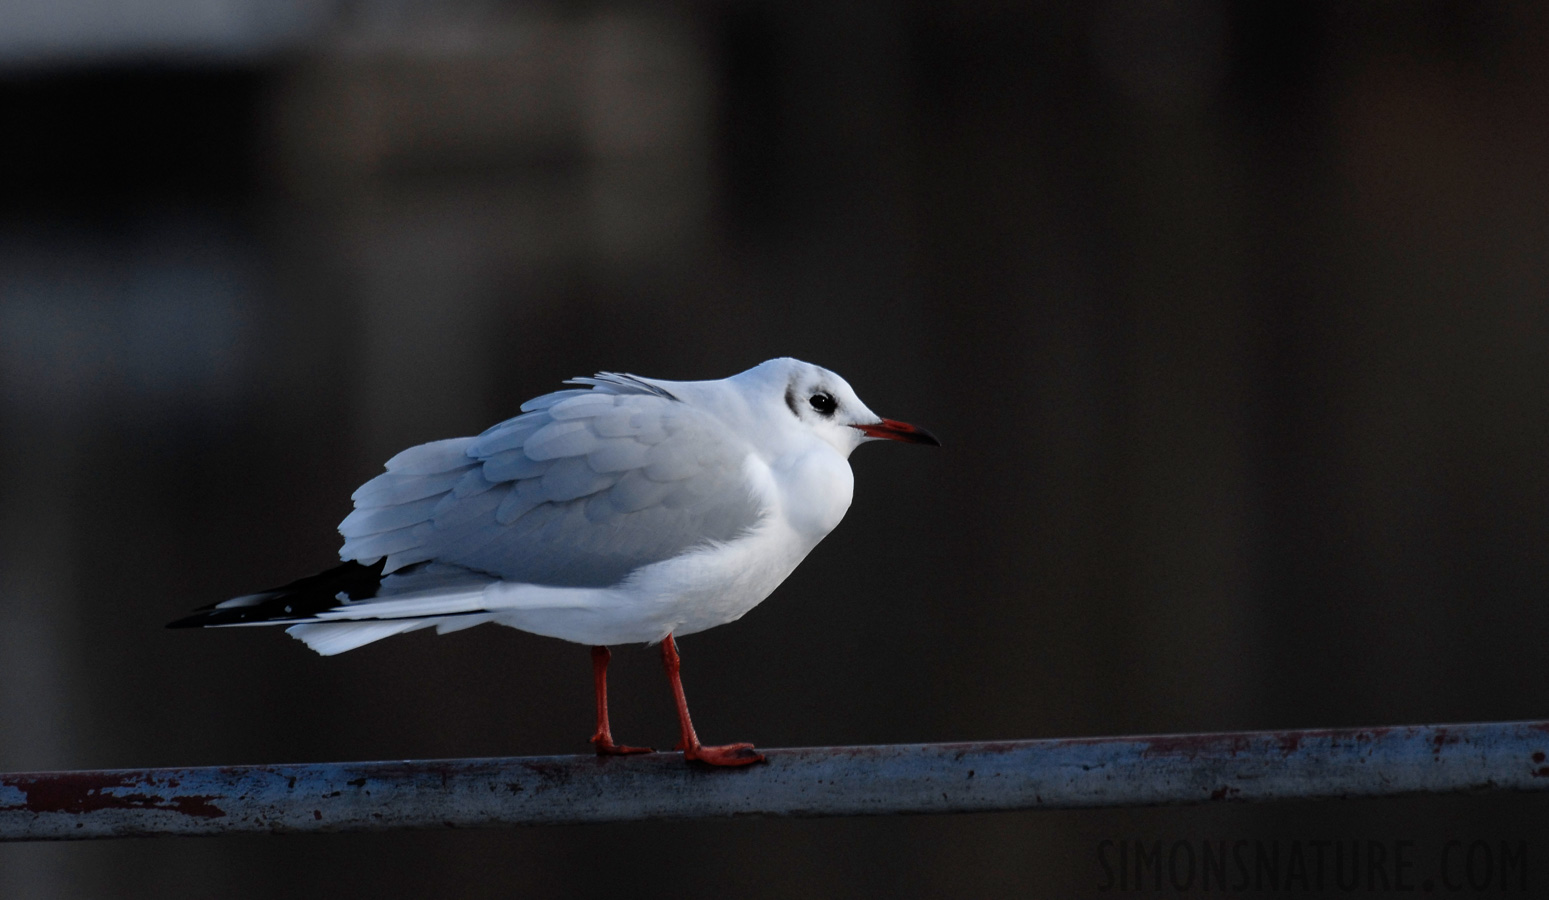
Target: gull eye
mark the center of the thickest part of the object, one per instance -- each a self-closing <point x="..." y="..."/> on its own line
<point x="824" y="403"/>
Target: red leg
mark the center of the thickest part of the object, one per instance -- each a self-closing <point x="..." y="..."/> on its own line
<point x="604" y="736"/>
<point x="693" y="751"/>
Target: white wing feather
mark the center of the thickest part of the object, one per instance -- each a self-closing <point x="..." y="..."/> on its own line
<point x="580" y="490"/>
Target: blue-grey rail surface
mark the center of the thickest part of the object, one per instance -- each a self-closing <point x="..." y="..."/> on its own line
<point x="1074" y="773"/>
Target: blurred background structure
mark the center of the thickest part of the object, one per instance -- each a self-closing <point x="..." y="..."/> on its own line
<point x="1234" y="319"/>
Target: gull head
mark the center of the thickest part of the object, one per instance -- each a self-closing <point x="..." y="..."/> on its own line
<point x="812" y="398"/>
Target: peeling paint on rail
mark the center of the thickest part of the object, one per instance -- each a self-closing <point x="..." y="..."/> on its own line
<point x="1074" y="773"/>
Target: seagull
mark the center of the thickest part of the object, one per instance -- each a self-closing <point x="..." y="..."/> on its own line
<point x="625" y="510"/>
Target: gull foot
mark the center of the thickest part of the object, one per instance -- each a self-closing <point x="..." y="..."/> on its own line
<point x="724" y="755"/>
<point x="606" y="747"/>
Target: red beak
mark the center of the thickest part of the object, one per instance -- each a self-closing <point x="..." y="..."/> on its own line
<point x="894" y="430"/>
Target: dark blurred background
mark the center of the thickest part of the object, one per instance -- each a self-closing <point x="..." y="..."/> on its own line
<point x="1234" y="319"/>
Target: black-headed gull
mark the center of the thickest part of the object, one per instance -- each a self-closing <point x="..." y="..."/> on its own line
<point x="629" y="510"/>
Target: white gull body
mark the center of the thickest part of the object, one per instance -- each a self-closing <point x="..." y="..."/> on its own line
<point x="624" y="511"/>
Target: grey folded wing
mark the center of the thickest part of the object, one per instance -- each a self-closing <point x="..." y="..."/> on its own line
<point x="582" y="488"/>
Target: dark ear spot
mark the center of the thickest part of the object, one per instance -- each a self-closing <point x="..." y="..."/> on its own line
<point x="790" y="400"/>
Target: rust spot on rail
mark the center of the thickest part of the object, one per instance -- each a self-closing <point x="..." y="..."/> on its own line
<point x="88" y="792"/>
<point x="1191" y="746"/>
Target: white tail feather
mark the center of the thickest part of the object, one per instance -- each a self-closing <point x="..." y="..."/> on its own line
<point x="331" y="638"/>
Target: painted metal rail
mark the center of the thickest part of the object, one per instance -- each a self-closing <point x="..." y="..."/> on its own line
<point x="821" y="781"/>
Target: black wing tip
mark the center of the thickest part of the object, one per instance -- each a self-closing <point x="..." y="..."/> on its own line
<point x="294" y="602"/>
<point x="215" y="617"/>
<point x="196" y="620"/>
<point x="199" y="619"/>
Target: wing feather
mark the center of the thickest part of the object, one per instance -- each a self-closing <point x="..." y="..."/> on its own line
<point x="544" y="401"/>
<point x="370" y="548"/>
<point x="636" y="492"/>
<point x="428" y="459"/>
<point x="585" y="406"/>
<point x="523" y="497"/>
<point x="617" y="456"/>
<point x="377" y="519"/>
<point x="572" y="477"/>
<point x="646" y="428"/>
<point x="513" y="465"/>
<point x="617" y="422"/>
<point x="508" y="435"/>
<point x="391" y="488"/>
<point x="453" y="510"/>
<point x="669" y="462"/>
<point x="558" y="439"/>
<point x="472" y="483"/>
<point x="582" y="488"/>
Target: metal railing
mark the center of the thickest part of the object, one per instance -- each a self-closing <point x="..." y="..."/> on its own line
<point x="821" y="781"/>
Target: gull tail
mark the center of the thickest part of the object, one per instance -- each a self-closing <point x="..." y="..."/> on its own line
<point x="299" y="601"/>
<point x="351" y="605"/>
